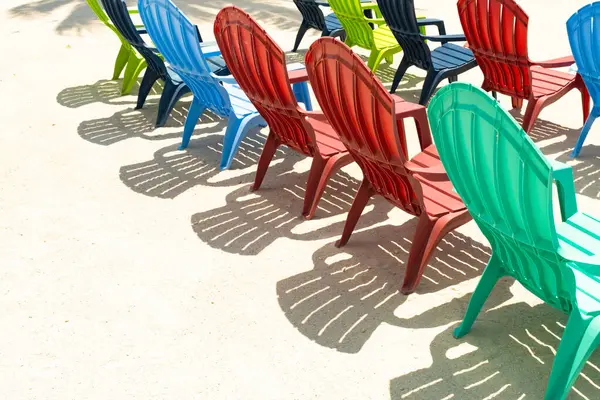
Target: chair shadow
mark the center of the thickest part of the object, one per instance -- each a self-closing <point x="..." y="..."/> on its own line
<point x="172" y="172"/>
<point x="355" y="289"/>
<point x="250" y="222"/>
<point x="507" y="355"/>
<point x="104" y="91"/>
<point x="131" y="123"/>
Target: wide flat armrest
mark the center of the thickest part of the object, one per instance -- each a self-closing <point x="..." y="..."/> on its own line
<point x="445" y="38"/>
<point x="403" y="110"/>
<point x="379" y="21"/>
<point x="433" y="21"/>
<point x="297" y="76"/>
<point x="141" y="31"/>
<point x="133" y="10"/>
<point x="369" y="6"/>
<point x="556" y="63"/>
<point x="590" y="263"/>
<point x="563" y="175"/>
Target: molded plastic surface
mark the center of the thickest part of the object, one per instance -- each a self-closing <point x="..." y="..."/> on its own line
<point x="369" y="122"/>
<point x="312" y="17"/>
<point x="506" y="183"/>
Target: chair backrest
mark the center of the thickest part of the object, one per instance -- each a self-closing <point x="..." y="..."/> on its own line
<point x="496" y="31"/>
<point x="119" y="15"/>
<point x="584" y="36"/>
<point x="400" y="17"/>
<point x="258" y="65"/>
<point x="311" y="13"/>
<point x="352" y="17"/>
<point x="362" y="112"/>
<point x="505" y="182"/>
<point x="178" y="41"/>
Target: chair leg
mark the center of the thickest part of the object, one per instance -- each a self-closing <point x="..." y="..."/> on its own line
<point x="495" y="95"/>
<point x="171" y="94"/>
<point x="338" y="33"/>
<point x="585" y="101"/>
<point x="301" y="32"/>
<point x="432" y="80"/>
<point x="492" y="272"/>
<point x="404" y="64"/>
<point x="578" y="342"/>
<point x="453" y="78"/>
<point x="194" y="113"/>
<point x="583" y="135"/>
<point x="150" y="77"/>
<point x="237" y="129"/>
<point x="134" y="68"/>
<point x="358" y="205"/>
<point x="389" y="58"/>
<point x="266" y="156"/>
<point x="331" y="165"/>
<point x="302" y="94"/>
<point x="121" y="61"/>
<point x="534" y="106"/>
<point x="517" y="103"/>
<point x="375" y="59"/>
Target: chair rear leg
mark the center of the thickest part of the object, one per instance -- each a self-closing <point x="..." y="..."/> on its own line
<point x="358" y="205"/>
<point x="121" y="61"/>
<point x="237" y="129"/>
<point x="579" y="340"/>
<point x="301" y="32"/>
<point x="404" y="64"/>
<point x="492" y="272"/>
<point x="432" y="80"/>
<point x="338" y="33"/>
<point x="134" y="68"/>
<point x="517" y="102"/>
<point x="196" y="110"/>
<point x="375" y="59"/>
<point x="453" y="78"/>
<point x="585" y="100"/>
<point x="172" y="92"/>
<point x="302" y="94"/>
<point x="332" y="164"/>
<point x="534" y="106"/>
<point x="583" y="135"/>
<point x="266" y="156"/>
<point x="150" y="77"/>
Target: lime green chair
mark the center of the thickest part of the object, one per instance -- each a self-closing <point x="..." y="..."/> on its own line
<point x="506" y="184"/>
<point x="369" y="33"/>
<point x="127" y="58"/>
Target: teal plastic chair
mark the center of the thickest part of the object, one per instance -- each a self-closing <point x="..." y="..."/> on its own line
<point x="506" y="184"/>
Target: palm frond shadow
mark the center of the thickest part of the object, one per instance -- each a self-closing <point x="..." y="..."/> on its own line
<point x="172" y="172"/>
<point x="104" y="91"/>
<point x="130" y="123"/>
<point x="507" y="355"/>
<point x="250" y="222"/>
<point x="355" y="289"/>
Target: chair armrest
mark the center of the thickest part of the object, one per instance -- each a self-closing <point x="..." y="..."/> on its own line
<point x="563" y="175"/>
<point x="445" y="38"/>
<point x="297" y="76"/>
<point x="590" y="263"/>
<point x="141" y="31"/>
<point x="133" y="10"/>
<point x="433" y="21"/>
<point x="436" y="170"/>
<point x="556" y="63"/>
<point x="402" y="107"/>
<point x="225" y="78"/>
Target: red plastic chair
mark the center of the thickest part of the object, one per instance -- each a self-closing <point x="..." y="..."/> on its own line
<point x="370" y="123"/>
<point x="496" y="31"/>
<point x="258" y="65"/>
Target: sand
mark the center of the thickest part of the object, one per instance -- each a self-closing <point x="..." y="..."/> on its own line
<point x="131" y="270"/>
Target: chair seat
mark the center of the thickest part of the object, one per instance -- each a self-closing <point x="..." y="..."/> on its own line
<point x="240" y="103"/>
<point x="450" y="56"/>
<point x="328" y="141"/>
<point x="546" y="81"/>
<point x="438" y="192"/>
<point x="384" y="38"/>
<point x="332" y="23"/>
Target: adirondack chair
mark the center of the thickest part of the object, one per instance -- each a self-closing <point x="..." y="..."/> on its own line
<point x="127" y="58"/>
<point x="446" y="61"/>
<point x="506" y="183"/>
<point x="259" y="66"/>
<point x="584" y="38"/>
<point x="312" y="17"/>
<point x="496" y="32"/>
<point x="370" y="123"/>
<point x="361" y="32"/>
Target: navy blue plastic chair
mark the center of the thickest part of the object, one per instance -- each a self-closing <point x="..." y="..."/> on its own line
<point x="584" y="37"/>
<point x="313" y="17"/>
<point x="446" y="61"/>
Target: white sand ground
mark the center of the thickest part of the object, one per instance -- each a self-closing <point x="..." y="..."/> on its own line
<point x="130" y="270"/>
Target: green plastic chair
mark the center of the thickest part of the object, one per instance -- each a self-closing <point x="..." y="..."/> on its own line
<point x="360" y="30"/>
<point x="127" y="58"/>
<point x="506" y="184"/>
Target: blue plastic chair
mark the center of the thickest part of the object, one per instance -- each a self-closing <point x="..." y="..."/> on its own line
<point x="584" y="37"/>
<point x="176" y="38"/>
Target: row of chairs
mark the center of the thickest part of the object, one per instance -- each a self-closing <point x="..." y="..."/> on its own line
<point x="495" y="173"/>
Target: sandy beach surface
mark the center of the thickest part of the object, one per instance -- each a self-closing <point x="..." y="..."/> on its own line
<point x="132" y="270"/>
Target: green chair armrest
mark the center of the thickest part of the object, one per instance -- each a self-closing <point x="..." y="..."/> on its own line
<point x="563" y="175"/>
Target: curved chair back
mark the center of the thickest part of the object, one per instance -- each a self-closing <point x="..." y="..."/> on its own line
<point x="311" y="13"/>
<point x="506" y="184"/>
<point x="496" y="31"/>
<point x="351" y="16"/>
<point x="118" y="14"/>
<point x="400" y="17"/>
<point x="362" y="112"/>
<point x="584" y="36"/>
<point x="259" y="67"/>
<point x="178" y="41"/>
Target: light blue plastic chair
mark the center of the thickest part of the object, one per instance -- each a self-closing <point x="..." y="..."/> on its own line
<point x="584" y="36"/>
<point x="177" y="39"/>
